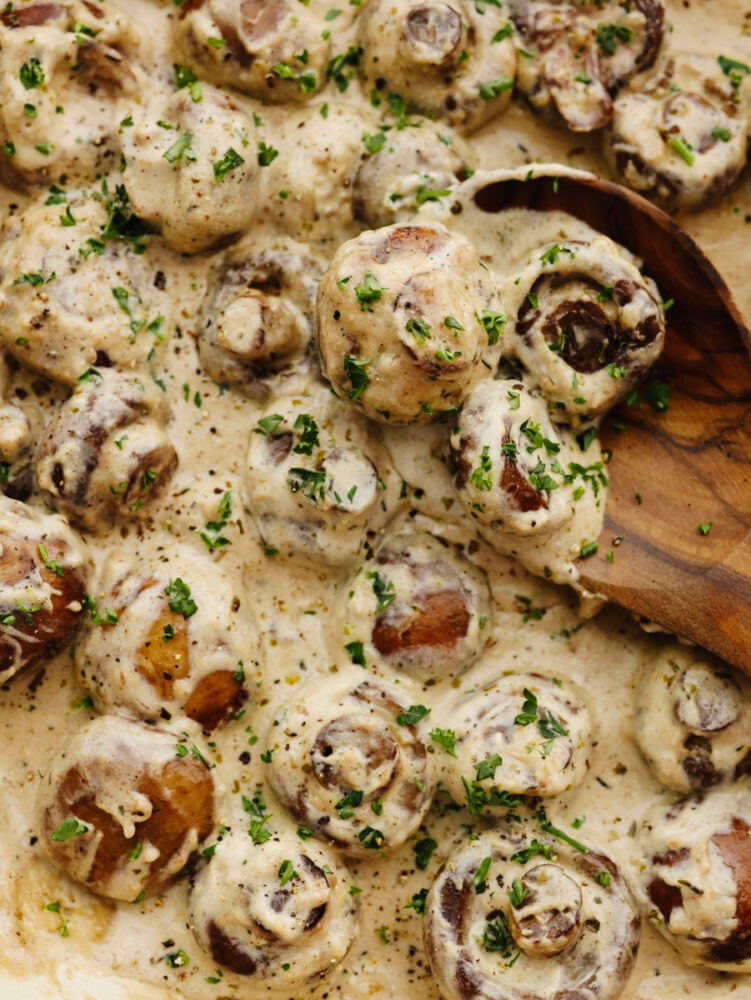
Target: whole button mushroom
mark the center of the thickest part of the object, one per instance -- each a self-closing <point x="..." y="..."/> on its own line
<point x="695" y="879"/>
<point x="274" y="912"/>
<point x="39" y="45"/>
<point x="399" y="322"/>
<point x="578" y="59"/>
<point x="258" y="317"/>
<point x="693" y="716"/>
<point x="182" y="644"/>
<point x="501" y="923"/>
<point x="419" y="606"/>
<point x="42" y="586"/>
<point x="123" y="808"/>
<point x="585" y="323"/>
<point x="107" y="452"/>
<point x="305" y="189"/>
<point x="196" y="181"/>
<point x="416" y="166"/>
<point x="319" y="482"/>
<point x="275" y="50"/>
<point x="503" y="449"/>
<point x="449" y="61"/>
<point x="522" y="734"/>
<point x="79" y="296"/>
<point x="350" y="763"/>
<point x="681" y="138"/>
<point x="16" y="478"/>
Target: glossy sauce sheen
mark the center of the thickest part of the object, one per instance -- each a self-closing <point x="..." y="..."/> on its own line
<point x="118" y="950"/>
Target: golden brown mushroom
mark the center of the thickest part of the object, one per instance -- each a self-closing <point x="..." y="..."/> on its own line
<point x="123" y="808"/>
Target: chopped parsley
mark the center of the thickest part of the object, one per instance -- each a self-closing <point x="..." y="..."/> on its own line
<point x="180" y="600"/>
<point x="445" y="738"/>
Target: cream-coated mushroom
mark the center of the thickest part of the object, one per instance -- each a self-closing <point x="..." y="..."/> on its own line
<point x="275" y="50"/>
<point x="693" y="717"/>
<point x="586" y="324"/>
<point x="456" y="62"/>
<point x="527" y="915"/>
<point x="67" y="72"/>
<point x="681" y="137"/>
<point x="523" y="734"/>
<point x="418" y="606"/>
<point x="123" y="808"/>
<point x="399" y="322"/>
<point x="77" y="297"/>
<point x="195" y="180"/>
<point x="42" y="586"/>
<point x="107" y="451"/>
<point x="319" y="481"/>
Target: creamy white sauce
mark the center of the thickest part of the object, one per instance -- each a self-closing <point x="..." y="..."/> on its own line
<point x="118" y="950"/>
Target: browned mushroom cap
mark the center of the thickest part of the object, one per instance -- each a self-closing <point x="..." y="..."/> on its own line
<point x="681" y="138"/>
<point x="106" y="452"/>
<point x="548" y="917"/>
<point x="31" y="16"/>
<point x="343" y="750"/>
<point x="496" y="922"/>
<point x="501" y="453"/>
<point x="42" y="586"/>
<point x="166" y="658"/>
<point x="420" y="605"/>
<point x="274" y="910"/>
<point x="115" y="785"/>
<point x="699" y="894"/>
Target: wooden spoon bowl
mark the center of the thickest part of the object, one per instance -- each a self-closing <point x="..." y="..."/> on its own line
<point x="690" y="465"/>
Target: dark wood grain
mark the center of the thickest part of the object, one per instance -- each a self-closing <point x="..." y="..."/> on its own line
<point x="691" y="464"/>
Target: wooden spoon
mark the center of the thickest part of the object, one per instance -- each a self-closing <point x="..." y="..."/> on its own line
<point x="671" y="471"/>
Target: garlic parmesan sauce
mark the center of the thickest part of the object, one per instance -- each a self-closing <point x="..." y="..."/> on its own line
<point x="59" y="940"/>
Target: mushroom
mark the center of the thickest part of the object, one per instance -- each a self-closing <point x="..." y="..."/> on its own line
<point x="453" y="62"/>
<point x="257" y="319"/>
<point x="504" y="451"/>
<point x="419" y="606"/>
<point x="519" y="734"/>
<point x="107" y="451"/>
<point x="414" y="167"/>
<point x="681" y="138"/>
<point x="274" y="911"/>
<point x="499" y="922"/>
<point x="81" y="297"/>
<point x="123" y="808"/>
<point x="578" y="59"/>
<point x="182" y="643"/>
<point x="399" y="322"/>
<point x="275" y="50"/>
<point x="350" y="763"/>
<point x="194" y="180"/>
<point x="695" y="880"/>
<point x="319" y="482"/>
<point x="42" y="586"/>
<point x="585" y="323"/>
<point x="693" y="716"/>
<point x="67" y="71"/>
